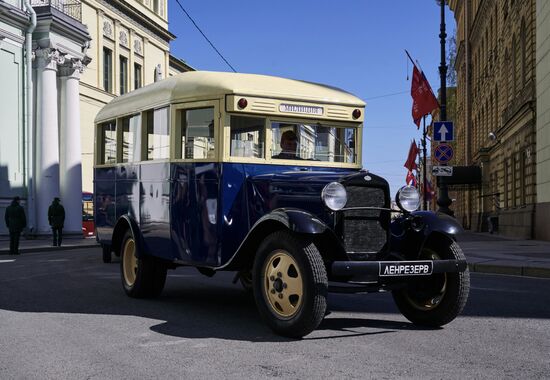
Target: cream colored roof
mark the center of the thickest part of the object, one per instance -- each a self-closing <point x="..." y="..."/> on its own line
<point x="205" y="84"/>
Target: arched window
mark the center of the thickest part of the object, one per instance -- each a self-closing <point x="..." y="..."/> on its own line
<point x="506" y="79"/>
<point x="514" y="65"/>
<point x="523" y="38"/>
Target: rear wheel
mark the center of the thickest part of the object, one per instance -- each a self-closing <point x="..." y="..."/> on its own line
<point x="290" y="284"/>
<point x="141" y="277"/>
<point x="438" y="299"/>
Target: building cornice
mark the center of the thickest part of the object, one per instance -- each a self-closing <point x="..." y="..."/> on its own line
<point x="51" y="19"/>
<point x="13" y="16"/>
<point x="179" y="64"/>
<point x="136" y="18"/>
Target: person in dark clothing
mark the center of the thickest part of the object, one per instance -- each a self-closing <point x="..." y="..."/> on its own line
<point x="56" y="218"/>
<point x="16" y="222"/>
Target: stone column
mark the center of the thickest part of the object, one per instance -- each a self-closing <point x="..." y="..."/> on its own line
<point x="70" y="151"/>
<point x="47" y="142"/>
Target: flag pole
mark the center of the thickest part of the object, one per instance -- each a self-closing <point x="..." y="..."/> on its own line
<point x="424" y="200"/>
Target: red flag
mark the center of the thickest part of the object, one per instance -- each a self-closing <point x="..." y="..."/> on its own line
<point x="424" y="101"/>
<point x="410" y="178"/>
<point x="411" y="159"/>
<point x="429" y="191"/>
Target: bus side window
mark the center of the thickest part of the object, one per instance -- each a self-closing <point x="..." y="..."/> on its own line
<point x="196" y="133"/>
<point x="107" y="141"/>
<point x="247" y="137"/>
<point x="158" y="134"/>
<point x="131" y="138"/>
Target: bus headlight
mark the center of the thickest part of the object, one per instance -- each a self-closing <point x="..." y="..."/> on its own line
<point x="334" y="196"/>
<point x="408" y="198"/>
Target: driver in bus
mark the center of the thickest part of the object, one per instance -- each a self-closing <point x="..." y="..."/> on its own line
<point x="289" y="145"/>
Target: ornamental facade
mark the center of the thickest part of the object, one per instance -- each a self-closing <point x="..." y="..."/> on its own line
<point x="130" y="48"/>
<point x="496" y="113"/>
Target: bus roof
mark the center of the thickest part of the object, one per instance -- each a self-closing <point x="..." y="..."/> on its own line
<point x="199" y="85"/>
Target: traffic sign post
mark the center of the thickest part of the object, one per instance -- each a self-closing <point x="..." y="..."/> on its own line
<point x="443" y="131"/>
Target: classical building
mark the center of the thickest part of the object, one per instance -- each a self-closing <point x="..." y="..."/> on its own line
<point x="496" y="112"/>
<point x="542" y="228"/>
<point x="44" y="47"/>
<point x="130" y="49"/>
<point x="82" y="53"/>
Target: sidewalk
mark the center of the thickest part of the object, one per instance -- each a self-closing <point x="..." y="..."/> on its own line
<point x="488" y="253"/>
<point x="485" y="253"/>
<point x="44" y="244"/>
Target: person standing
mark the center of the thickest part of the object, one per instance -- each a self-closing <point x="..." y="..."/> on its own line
<point x="56" y="218"/>
<point x="16" y="221"/>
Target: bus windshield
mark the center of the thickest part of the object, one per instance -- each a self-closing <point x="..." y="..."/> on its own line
<point x="316" y="142"/>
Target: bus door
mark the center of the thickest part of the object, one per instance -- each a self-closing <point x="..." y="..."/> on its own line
<point x="195" y="208"/>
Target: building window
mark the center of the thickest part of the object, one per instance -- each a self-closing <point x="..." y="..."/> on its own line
<point x="156" y="6"/>
<point x="137" y="76"/>
<point x="123" y="75"/>
<point x="107" y="70"/>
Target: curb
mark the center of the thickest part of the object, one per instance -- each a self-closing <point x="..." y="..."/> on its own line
<point x="6" y="251"/>
<point x="539" y="272"/>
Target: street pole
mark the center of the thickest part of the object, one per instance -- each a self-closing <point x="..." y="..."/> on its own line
<point x="424" y="179"/>
<point x="443" y="200"/>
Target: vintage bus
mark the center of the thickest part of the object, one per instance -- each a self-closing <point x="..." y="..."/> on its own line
<point x="262" y="176"/>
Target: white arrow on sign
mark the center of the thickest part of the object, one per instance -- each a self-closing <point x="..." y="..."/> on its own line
<point x="443" y="132"/>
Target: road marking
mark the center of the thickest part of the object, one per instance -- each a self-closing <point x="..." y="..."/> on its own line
<point x="7" y="261"/>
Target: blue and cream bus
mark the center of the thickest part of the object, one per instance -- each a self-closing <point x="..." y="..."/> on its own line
<point x="262" y="176"/>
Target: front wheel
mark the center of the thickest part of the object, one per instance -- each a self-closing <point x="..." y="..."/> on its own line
<point x="438" y="299"/>
<point x="290" y="284"/>
<point x="141" y="277"/>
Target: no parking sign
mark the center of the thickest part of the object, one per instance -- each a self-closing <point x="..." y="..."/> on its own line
<point x="443" y="153"/>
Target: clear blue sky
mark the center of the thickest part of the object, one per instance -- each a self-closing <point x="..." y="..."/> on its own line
<point x="357" y="45"/>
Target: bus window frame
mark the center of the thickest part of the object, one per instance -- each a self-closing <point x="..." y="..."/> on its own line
<point x="176" y="133"/>
<point x="100" y="148"/>
<point x="227" y="157"/>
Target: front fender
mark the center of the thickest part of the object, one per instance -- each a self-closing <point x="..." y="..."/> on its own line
<point x="295" y="220"/>
<point x="410" y="232"/>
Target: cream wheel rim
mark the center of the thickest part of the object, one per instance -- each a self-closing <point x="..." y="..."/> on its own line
<point x="283" y="284"/>
<point x="432" y="301"/>
<point x="130" y="262"/>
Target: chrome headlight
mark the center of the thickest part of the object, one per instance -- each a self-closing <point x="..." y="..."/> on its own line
<point x="334" y="196"/>
<point x="408" y="198"/>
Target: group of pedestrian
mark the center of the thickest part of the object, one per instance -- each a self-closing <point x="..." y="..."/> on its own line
<point x="16" y="221"/>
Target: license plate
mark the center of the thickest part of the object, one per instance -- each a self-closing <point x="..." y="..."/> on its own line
<point x="405" y="268"/>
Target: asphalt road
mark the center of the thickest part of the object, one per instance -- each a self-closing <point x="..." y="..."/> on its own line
<point x="64" y="315"/>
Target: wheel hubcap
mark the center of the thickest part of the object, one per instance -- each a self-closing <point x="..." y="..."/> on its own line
<point x="283" y="287"/>
<point x="130" y="262"/>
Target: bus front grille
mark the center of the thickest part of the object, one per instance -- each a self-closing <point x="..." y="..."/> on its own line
<point x="365" y="232"/>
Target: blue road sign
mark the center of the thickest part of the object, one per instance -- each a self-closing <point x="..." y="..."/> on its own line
<point x="443" y="131"/>
<point x="443" y="153"/>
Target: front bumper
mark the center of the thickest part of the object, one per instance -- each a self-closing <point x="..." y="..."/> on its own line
<point x="386" y="270"/>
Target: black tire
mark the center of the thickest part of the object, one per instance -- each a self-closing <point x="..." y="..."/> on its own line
<point x="142" y="277"/>
<point x="436" y="300"/>
<point x="106" y="250"/>
<point x="291" y="268"/>
<point x="245" y="278"/>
